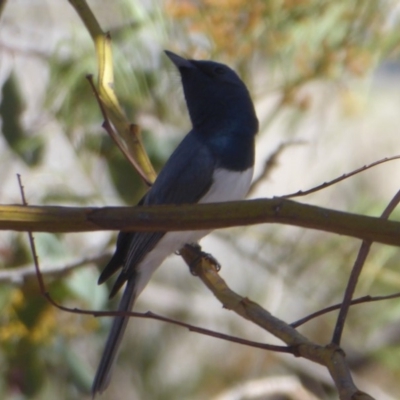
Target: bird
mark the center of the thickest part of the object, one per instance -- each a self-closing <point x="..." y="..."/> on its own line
<point x="213" y="163"/>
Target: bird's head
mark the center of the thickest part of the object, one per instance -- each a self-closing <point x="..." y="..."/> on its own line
<point x="215" y="95"/>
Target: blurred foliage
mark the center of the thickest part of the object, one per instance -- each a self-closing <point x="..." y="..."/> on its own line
<point x="29" y="148"/>
<point x="52" y="124"/>
<point x="305" y="39"/>
<point x="34" y="337"/>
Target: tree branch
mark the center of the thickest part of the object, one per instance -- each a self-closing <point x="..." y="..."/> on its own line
<point x="331" y="356"/>
<point x="129" y="137"/>
<point x="355" y="273"/>
<point x="340" y="178"/>
<point x="360" y="300"/>
<point x="197" y="216"/>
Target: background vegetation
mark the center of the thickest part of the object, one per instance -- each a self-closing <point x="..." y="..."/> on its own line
<point x="324" y="78"/>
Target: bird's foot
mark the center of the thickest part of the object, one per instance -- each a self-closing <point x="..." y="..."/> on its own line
<point x="193" y="255"/>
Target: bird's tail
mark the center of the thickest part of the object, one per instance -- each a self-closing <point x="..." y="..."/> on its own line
<point x="103" y="374"/>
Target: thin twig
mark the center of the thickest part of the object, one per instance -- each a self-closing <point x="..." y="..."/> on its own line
<point x="190" y="327"/>
<point x="355" y="273"/>
<point x="31" y="240"/>
<point x="153" y="316"/>
<point x="360" y="300"/>
<point x="340" y="178"/>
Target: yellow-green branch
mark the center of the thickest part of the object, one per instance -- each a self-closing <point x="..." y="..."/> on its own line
<point x="129" y="135"/>
<point x="199" y="216"/>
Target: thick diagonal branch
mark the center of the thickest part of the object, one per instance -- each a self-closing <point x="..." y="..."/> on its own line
<point x="332" y="357"/>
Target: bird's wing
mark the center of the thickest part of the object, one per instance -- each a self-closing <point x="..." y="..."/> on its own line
<point x="186" y="177"/>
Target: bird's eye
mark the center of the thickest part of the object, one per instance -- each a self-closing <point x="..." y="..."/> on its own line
<point x="219" y="70"/>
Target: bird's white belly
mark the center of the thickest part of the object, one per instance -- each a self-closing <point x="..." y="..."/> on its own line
<point x="227" y="186"/>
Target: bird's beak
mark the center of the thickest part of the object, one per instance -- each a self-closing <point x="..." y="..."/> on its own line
<point x="179" y="62"/>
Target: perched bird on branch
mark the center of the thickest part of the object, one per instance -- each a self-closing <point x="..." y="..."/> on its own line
<point x="213" y="163"/>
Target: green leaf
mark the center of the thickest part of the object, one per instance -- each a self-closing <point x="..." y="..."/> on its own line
<point x="29" y="149"/>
